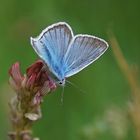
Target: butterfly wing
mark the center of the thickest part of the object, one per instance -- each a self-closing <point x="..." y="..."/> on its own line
<point x="83" y="50"/>
<point x="51" y="46"/>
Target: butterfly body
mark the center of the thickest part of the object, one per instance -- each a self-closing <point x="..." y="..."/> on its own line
<point x="64" y="53"/>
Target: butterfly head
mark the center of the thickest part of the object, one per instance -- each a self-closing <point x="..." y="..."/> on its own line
<point x="61" y="82"/>
<point x="58" y="78"/>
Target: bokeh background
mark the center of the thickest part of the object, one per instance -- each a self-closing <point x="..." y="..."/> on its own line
<point x="100" y="111"/>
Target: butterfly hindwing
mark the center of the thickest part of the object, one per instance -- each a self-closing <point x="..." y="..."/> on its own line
<point x="51" y="46"/>
<point x="83" y="50"/>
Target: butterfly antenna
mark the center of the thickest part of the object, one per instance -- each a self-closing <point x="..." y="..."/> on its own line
<point x="62" y="95"/>
<point x="81" y="90"/>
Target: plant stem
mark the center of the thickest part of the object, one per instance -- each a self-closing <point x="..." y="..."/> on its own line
<point x="134" y="106"/>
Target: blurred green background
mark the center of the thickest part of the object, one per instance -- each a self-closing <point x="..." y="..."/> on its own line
<point x="101" y="112"/>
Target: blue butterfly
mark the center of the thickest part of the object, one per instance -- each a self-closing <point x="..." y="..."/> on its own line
<point x="64" y="53"/>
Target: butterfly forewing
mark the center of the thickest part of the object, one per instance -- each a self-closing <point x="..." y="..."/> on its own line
<point x="83" y="50"/>
<point x="52" y="44"/>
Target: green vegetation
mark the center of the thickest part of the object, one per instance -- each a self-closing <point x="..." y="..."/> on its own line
<point x="101" y="113"/>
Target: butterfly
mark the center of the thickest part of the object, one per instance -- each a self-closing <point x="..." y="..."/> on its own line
<point x="66" y="54"/>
